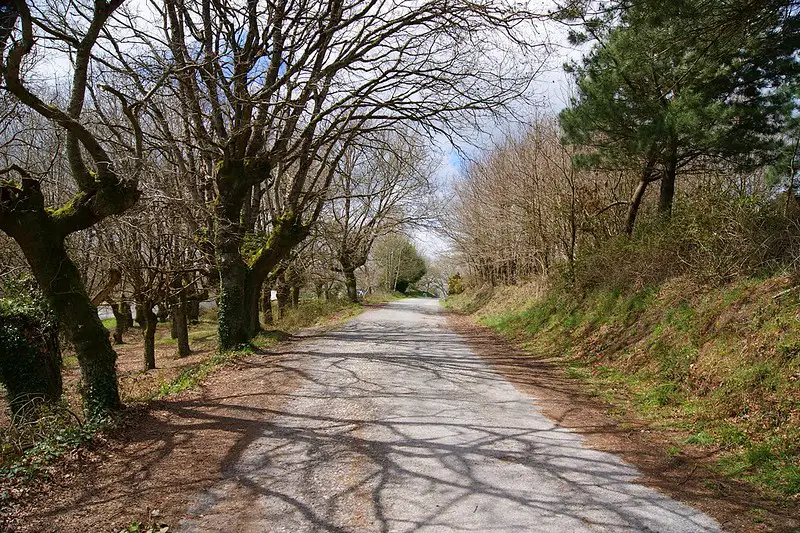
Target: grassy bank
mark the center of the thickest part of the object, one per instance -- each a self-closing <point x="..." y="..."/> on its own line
<point x="720" y="364"/>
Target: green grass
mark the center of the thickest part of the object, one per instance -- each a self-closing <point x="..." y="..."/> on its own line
<point x="28" y="448"/>
<point x="191" y="376"/>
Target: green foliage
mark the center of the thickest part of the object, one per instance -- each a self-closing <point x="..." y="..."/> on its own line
<point x="52" y="431"/>
<point x="654" y="82"/>
<point x="400" y="262"/>
<point x="30" y="356"/>
<point x="140" y="527"/>
<point x="455" y="284"/>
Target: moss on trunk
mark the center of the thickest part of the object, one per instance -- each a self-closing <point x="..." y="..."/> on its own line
<point x="62" y="287"/>
<point x="350" y="284"/>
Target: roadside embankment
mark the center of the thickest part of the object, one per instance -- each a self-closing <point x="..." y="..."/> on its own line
<point x="719" y="367"/>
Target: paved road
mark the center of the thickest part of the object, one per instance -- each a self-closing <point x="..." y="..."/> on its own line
<point x="400" y="427"/>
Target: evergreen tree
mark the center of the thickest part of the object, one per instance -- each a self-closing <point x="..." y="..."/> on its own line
<point x="659" y="90"/>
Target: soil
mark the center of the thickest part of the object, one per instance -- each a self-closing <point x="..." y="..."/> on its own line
<point x="169" y="451"/>
<point x="687" y="476"/>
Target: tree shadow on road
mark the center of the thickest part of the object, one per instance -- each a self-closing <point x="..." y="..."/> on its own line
<point x="275" y="443"/>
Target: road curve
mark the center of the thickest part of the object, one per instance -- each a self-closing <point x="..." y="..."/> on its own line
<point x="400" y="427"/>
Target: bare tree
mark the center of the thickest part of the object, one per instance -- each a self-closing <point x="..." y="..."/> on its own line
<point x="270" y="96"/>
<point x="376" y="191"/>
<point x="524" y="207"/>
<point x="72" y="30"/>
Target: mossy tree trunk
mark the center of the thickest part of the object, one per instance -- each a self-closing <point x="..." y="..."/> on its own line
<point x="40" y="234"/>
<point x="61" y="284"/>
<point x="241" y="282"/>
<point x="234" y="321"/>
<point x="102" y="192"/>
<point x="350" y="284"/>
<point x="351" y="259"/>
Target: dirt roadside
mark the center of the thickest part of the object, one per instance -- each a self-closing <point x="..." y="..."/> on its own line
<point x="170" y="451"/>
<point x="685" y="476"/>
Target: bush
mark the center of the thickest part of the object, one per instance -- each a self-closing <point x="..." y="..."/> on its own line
<point x="30" y="356"/>
<point x="712" y="237"/>
<point x="455" y="284"/>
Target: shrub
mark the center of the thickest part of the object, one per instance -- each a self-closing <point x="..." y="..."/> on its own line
<point x="30" y="356"/>
<point x="712" y="237"/>
<point x="455" y="284"/>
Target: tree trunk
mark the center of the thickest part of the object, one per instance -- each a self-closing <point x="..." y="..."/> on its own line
<point x="234" y="274"/>
<point x="125" y="312"/>
<point x="240" y="284"/>
<point x="633" y="207"/>
<point x="193" y="310"/>
<point x="638" y="195"/>
<point x="149" y="335"/>
<point x="350" y="283"/>
<point x="295" y="296"/>
<point x="283" y="296"/>
<point x="173" y="324"/>
<point x="253" y="297"/>
<point x="266" y="304"/>
<point x="120" y="326"/>
<point x="61" y="284"/>
<point x="667" y="191"/>
<point x="181" y="327"/>
<point x="139" y="315"/>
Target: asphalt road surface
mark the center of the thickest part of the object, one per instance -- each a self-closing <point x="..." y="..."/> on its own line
<point x="400" y="427"/>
